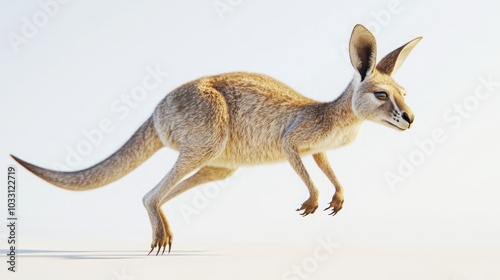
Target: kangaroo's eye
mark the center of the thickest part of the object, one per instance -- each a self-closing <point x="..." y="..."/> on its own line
<point x="381" y="95"/>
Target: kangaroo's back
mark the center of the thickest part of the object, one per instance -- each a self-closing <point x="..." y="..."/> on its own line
<point x="258" y="110"/>
<point x="256" y="89"/>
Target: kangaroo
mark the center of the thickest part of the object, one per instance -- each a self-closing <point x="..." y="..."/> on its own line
<point x="221" y="122"/>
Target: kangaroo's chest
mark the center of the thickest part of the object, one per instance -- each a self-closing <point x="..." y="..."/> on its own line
<point x="336" y="138"/>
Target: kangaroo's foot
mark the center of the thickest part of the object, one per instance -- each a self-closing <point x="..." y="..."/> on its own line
<point x="162" y="236"/>
<point x="309" y="206"/>
<point x="336" y="204"/>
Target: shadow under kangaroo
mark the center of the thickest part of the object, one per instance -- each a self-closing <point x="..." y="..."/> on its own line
<point x="221" y="122"/>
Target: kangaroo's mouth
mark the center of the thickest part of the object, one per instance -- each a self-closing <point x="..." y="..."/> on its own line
<point x="395" y="126"/>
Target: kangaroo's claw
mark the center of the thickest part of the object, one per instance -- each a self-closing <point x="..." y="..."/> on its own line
<point x="161" y="240"/>
<point x="160" y="246"/>
<point x="309" y="207"/>
<point x="336" y="204"/>
<point x="152" y="248"/>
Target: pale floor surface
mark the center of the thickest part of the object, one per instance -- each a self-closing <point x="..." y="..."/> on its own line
<point x="254" y="262"/>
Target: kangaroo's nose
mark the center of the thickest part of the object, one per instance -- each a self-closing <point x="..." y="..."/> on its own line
<point x="408" y="118"/>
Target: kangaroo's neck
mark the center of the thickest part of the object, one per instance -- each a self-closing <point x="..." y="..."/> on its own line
<point x="340" y="123"/>
<point x="340" y="109"/>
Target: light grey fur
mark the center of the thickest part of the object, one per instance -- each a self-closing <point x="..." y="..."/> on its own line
<point x="221" y="122"/>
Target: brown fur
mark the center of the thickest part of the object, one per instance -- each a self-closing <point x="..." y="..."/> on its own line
<point x="221" y="122"/>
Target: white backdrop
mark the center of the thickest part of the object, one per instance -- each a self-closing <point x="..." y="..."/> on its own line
<point x="71" y="68"/>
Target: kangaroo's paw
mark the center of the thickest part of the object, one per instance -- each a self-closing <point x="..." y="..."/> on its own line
<point x="309" y="206"/>
<point x="336" y="204"/>
<point x="161" y="238"/>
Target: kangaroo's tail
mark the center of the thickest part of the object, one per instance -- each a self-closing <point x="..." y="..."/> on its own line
<point x="144" y="143"/>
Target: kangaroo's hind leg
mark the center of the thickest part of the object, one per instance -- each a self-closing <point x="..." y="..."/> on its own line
<point x="204" y="175"/>
<point x="187" y="162"/>
<point x="195" y="120"/>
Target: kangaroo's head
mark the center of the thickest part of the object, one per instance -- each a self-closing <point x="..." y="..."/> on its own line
<point x="376" y="96"/>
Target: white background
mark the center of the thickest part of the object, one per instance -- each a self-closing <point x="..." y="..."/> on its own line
<point x="65" y="79"/>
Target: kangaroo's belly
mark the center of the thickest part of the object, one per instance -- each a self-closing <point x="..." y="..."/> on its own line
<point x="263" y="146"/>
<point x="255" y="148"/>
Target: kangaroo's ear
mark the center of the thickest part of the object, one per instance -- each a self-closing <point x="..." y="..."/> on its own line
<point x="363" y="51"/>
<point x="391" y="62"/>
